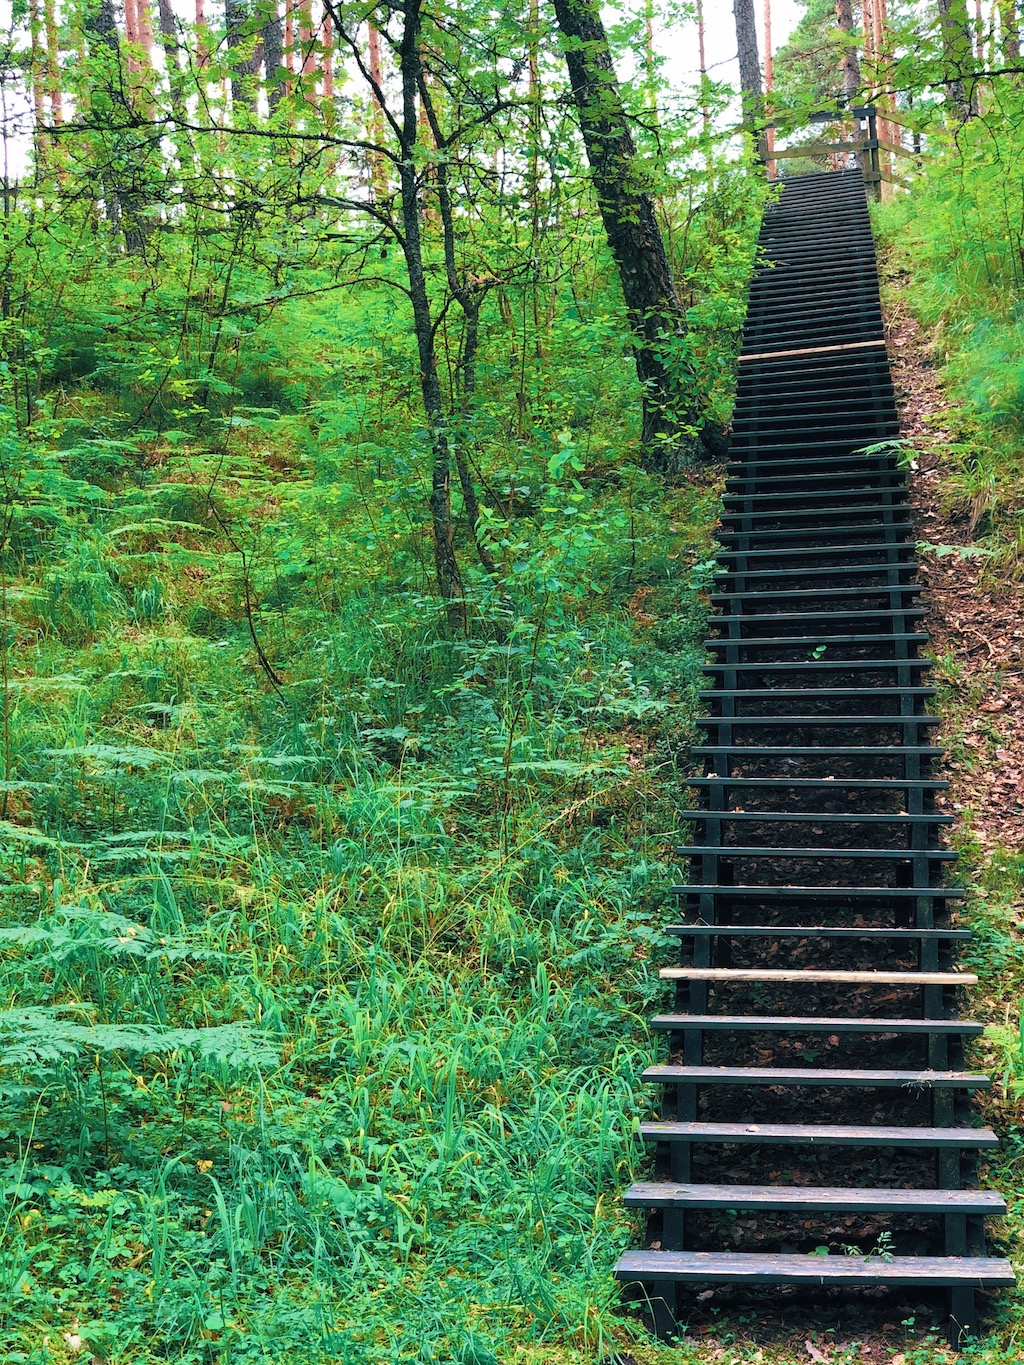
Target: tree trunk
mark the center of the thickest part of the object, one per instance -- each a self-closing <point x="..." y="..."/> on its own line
<point x="449" y="583"/>
<point x="307" y="61"/>
<point x="289" y="42"/>
<point x="244" y="68"/>
<point x="378" y="163"/>
<point x="37" y="76"/>
<point x="958" y="58"/>
<point x="273" y="54"/>
<point x="851" y="66"/>
<point x="202" y="51"/>
<point x="328" y="65"/>
<point x="627" y="211"/>
<point x="702" y="57"/>
<point x="769" y="87"/>
<point x="751" y="91"/>
<point x="53" y="73"/>
<point x="1009" y="32"/>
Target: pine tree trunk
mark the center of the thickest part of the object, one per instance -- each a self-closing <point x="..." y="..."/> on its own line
<point x="627" y="211"/>
<point x="851" y="66"/>
<point x="1009" y="34"/>
<point x="37" y="80"/>
<point x="958" y="58"/>
<point x="750" y="72"/>
<point x="53" y="73"/>
<point x="378" y="163"/>
<point x="769" y="87"/>
<point x="328" y="63"/>
<point x="307" y="62"/>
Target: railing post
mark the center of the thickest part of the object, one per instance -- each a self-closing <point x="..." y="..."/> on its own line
<point x="873" y="168"/>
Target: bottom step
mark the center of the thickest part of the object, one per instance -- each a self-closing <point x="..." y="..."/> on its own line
<point x="715" y="1267"/>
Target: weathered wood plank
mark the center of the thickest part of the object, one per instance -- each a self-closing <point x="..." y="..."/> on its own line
<point x="808" y="1075"/>
<point x="707" y="1267"/>
<point x="651" y="1194"/>
<point x="819" y="1135"/>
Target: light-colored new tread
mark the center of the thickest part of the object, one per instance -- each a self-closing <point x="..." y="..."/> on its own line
<point x="837" y="977"/>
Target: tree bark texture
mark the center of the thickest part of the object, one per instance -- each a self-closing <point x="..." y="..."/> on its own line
<point x="273" y="58"/>
<point x="851" y="65"/>
<point x="627" y="211"/>
<point x="449" y="583"/>
<point x="1009" y="32"/>
<point x="751" y="90"/>
<point x="958" y="57"/>
<point x="243" y="68"/>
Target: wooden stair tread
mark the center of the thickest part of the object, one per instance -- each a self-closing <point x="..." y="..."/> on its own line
<point x="824" y="892"/>
<point x="819" y="1134"/>
<point x="808" y="1198"/>
<point x="782" y="851"/>
<point x="813" y="975"/>
<point x="813" y="931"/>
<point x="732" y="1267"/>
<point x="808" y="1075"/>
<point x="796" y="1023"/>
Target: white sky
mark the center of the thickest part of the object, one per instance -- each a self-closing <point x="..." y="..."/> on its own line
<point x="720" y="39"/>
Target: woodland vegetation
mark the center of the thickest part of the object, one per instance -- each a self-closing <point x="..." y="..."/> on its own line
<point x="363" y="369"/>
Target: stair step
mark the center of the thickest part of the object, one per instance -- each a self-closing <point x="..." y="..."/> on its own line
<point x="819" y="665"/>
<point x="813" y="693"/>
<point x="819" y="639"/>
<point x="811" y="976"/>
<point x="664" y="1194"/>
<point x="834" y="536"/>
<point x="866" y="718"/>
<point x="727" y="599"/>
<point x="819" y="1135"/>
<point x="814" y="931"/>
<point x="823" y="783"/>
<point x="823" y="750"/>
<point x="733" y="1267"/>
<point x="769" y="618"/>
<point x="808" y="1075"/>
<point x="939" y="855"/>
<point x="806" y="818"/>
<point x="903" y="546"/>
<point x="770" y="1023"/>
<point x="822" y="892"/>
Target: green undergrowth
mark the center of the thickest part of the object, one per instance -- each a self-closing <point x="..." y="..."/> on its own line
<point x="958" y="239"/>
<point x="954" y="245"/>
<point x="323" y="1003"/>
<point x="329" y="926"/>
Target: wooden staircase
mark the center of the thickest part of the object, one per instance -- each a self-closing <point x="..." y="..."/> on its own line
<point x="814" y="1043"/>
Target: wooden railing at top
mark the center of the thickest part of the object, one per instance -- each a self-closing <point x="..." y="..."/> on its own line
<point x="867" y="148"/>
